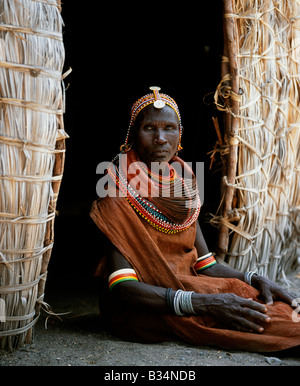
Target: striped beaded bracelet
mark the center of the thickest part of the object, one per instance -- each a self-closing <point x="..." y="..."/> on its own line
<point x="204" y="262"/>
<point x="125" y="274"/>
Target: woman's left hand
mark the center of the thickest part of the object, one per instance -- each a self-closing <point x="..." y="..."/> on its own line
<point x="270" y="291"/>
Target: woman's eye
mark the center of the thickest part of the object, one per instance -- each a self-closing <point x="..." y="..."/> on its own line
<point x="148" y="127"/>
<point x="169" y="127"/>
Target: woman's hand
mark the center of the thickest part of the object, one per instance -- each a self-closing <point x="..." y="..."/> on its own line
<point x="234" y="311"/>
<point x="270" y="291"/>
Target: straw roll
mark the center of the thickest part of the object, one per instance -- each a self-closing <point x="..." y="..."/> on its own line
<point x="31" y="126"/>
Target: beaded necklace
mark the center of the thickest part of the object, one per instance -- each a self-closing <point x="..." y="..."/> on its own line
<point x="147" y="209"/>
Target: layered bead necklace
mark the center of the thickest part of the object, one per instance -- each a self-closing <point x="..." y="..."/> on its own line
<point x="149" y="211"/>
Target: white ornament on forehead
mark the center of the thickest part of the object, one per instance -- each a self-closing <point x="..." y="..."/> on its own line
<point x="158" y="104"/>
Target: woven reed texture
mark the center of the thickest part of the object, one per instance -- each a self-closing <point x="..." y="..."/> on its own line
<point x="32" y="150"/>
<point x="259" y="219"/>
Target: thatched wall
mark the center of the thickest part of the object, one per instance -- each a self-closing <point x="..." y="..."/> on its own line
<point x="31" y="157"/>
<point x="259" y="220"/>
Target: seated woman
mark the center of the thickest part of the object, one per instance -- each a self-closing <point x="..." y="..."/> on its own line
<point x="160" y="280"/>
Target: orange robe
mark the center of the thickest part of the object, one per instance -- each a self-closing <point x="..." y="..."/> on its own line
<point x="168" y="261"/>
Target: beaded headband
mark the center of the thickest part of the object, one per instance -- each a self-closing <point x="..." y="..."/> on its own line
<point x="159" y="101"/>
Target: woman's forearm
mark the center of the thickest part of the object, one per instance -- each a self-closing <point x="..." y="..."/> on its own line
<point x="152" y="298"/>
<point x="237" y="312"/>
<point x="142" y="295"/>
<point x="220" y="270"/>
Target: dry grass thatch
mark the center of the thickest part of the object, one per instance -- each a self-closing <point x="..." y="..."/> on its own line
<point x="259" y="220"/>
<point x="31" y="157"/>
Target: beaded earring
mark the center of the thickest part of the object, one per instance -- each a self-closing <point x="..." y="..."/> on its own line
<point x="126" y="147"/>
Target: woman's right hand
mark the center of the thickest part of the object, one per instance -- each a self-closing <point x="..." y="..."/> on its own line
<point x="233" y="311"/>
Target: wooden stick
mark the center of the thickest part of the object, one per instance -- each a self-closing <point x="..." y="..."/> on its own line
<point x="49" y="236"/>
<point x="231" y="39"/>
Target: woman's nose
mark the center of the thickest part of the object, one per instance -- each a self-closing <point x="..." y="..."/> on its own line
<point x="159" y="137"/>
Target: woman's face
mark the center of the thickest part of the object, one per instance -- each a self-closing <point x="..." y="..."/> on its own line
<point x="157" y="135"/>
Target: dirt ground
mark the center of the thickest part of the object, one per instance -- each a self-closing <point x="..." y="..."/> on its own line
<point x="78" y="339"/>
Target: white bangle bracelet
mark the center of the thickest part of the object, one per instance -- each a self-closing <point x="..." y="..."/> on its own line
<point x="176" y="303"/>
<point x="182" y="303"/>
<point x="248" y="277"/>
<point x="186" y="302"/>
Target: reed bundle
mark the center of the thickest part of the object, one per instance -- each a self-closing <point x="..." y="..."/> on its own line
<point x="32" y="146"/>
<point x="259" y="219"/>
